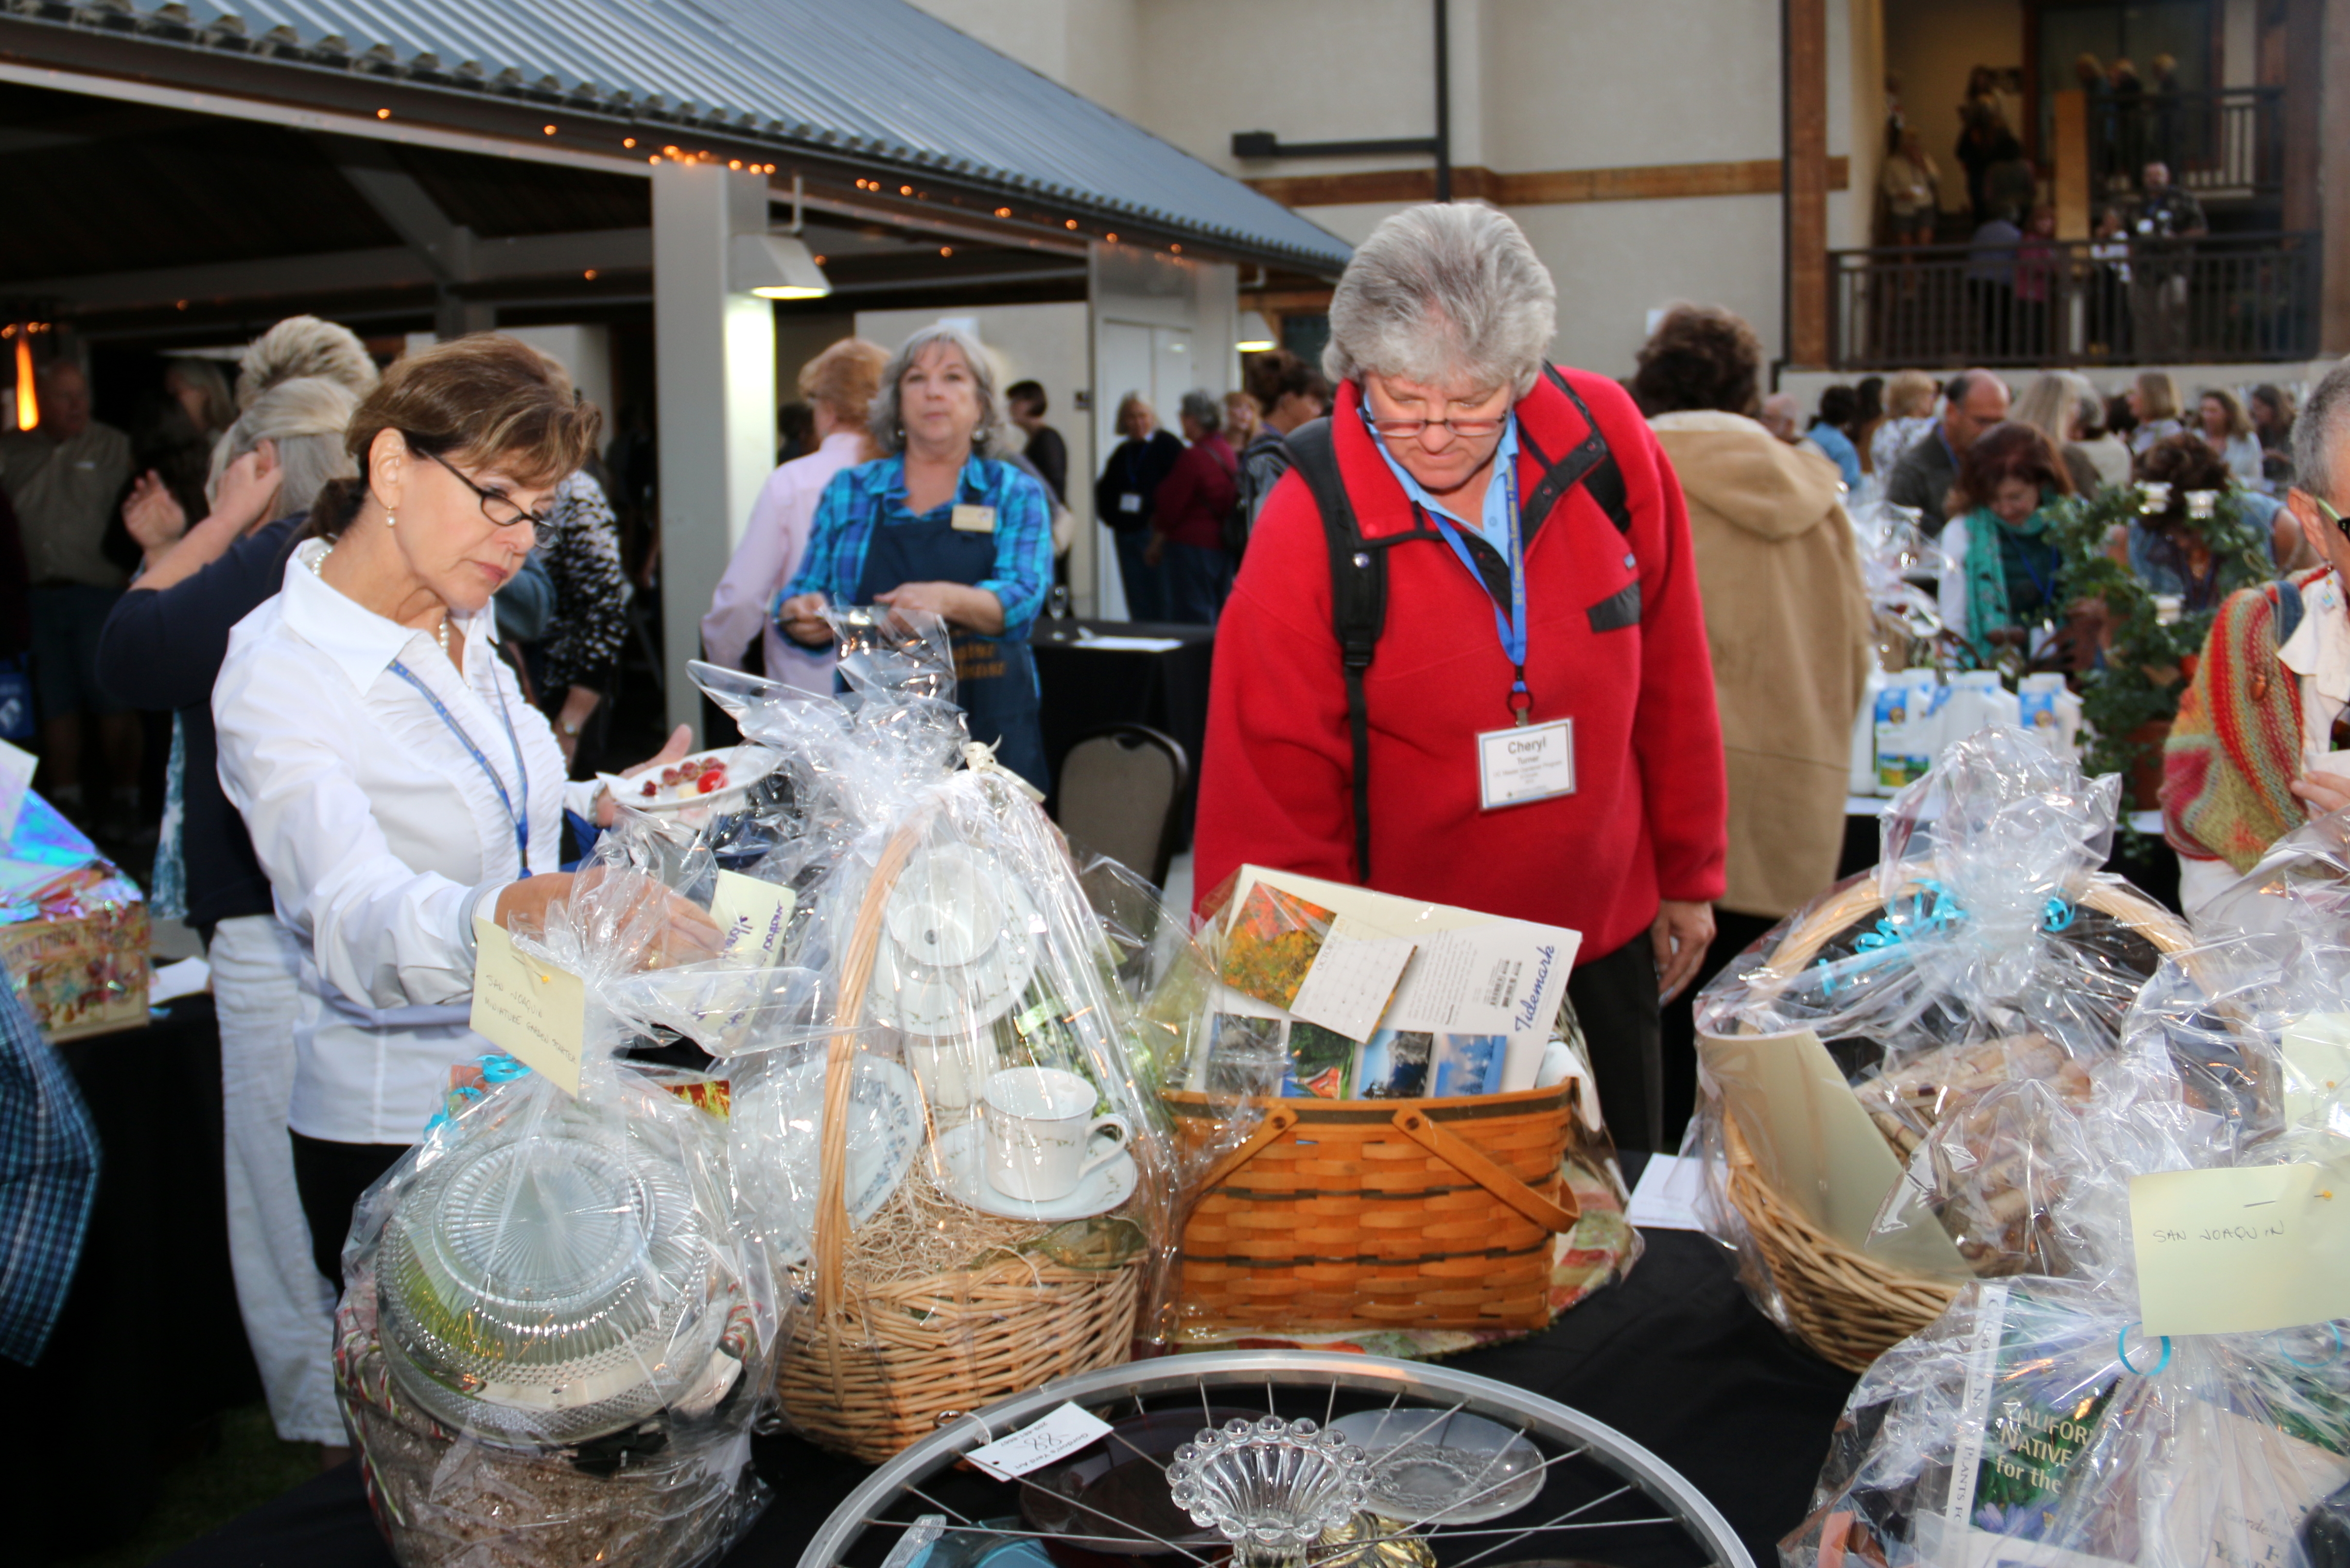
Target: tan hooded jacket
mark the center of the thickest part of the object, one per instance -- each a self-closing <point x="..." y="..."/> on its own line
<point x="1789" y="624"/>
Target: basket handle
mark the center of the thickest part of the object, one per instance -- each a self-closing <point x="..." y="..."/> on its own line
<point x="1459" y="1153"/>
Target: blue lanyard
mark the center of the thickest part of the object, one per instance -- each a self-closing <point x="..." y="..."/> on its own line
<point x="1511" y="627"/>
<point x="520" y="819"/>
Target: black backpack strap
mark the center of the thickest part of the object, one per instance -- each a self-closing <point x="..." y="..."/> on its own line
<point x="1591" y="462"/>
<point x="1358" y="604"/>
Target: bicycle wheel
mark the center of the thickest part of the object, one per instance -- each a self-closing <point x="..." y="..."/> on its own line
<point x="1543" y="1484"/>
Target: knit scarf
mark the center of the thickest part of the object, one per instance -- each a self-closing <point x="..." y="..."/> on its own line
<point x="1988" y="602"/>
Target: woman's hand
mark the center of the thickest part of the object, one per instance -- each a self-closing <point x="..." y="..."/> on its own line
<point x="152" y="514"/>
<point x="802" y="617"/>
<point x="1680" y="936"/>
<point x="248" y="490"/>
<point x="680" y="744"/>
<point x="689" y="934"/>
<point x="1156" y="551"/>
<point x="580" y="704"/>
<point x="2324" y="794"/>
<point x="955" y="603"/>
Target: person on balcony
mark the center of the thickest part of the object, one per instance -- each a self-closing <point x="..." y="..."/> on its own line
<point x="2166" y="218"/>
<point x="2257" y="748"/>
<point x="1973" y="402"/>
<point x="1910" y="181"/>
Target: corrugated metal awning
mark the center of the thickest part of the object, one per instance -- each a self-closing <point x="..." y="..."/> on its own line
<point x="872" y="79"/>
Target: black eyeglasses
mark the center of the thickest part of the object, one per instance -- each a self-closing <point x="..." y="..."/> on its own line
<point x="499" y="509"/>
<point x="2327" y="511"/>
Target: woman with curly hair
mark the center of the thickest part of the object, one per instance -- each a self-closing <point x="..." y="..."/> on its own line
<point x="2000" y="581"/>
<point x="2172" y="557"/>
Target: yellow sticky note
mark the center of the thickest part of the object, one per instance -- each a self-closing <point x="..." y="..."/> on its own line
<point x="2245" y="1251"/>
<point x="2316" y="1052"/>
<point x="534" y="1011"/>
<point x="751" y="915"/>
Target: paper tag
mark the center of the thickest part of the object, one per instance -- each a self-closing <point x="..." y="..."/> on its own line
<point x="1982" y="1362"/>
<point x="1064" y="1431"/>
<point x="1129" y="502"/>
<point x="751" y="916"/>
<point x="973" y="519"/>
<point x="1525" y="762"/>
<point x="2316" y="1052"/>
<point x="2245" y="1251"/>
<point x="1352" y="981"/>
<point x="534" y="1011"/>
<point x="16" y="766"/>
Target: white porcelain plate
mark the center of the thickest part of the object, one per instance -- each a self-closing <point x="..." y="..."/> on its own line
<point x="1429" y="1467"/>
<point x="885" y="1132"/>
<point x="963" y="1170"/>
<point x="745" y="765"/>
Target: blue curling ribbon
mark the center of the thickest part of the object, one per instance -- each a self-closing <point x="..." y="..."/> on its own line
<point x="497" y="1067"/>
<point x="1943" y="914"/>
<point x="2314" y="1365"/>
<point x="2121" y="1349"/>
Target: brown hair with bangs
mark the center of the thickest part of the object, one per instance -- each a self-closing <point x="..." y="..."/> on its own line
<point x="2010" y="451"/>
<point x="484" y="400"/>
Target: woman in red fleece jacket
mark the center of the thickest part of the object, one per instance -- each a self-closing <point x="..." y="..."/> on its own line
<point x="1445" y="414"/>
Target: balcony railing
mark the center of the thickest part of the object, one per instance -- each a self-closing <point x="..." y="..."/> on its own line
<point x="2221" y="298"/>
<point x="2222" y="145"/>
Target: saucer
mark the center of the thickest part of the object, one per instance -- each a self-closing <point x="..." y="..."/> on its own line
<point x="961" y="1165"/>
<point x="1437" y="1467"/>
<point x="746" y="764"/>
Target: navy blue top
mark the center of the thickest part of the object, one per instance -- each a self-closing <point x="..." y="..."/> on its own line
<point x="164" y="650"/>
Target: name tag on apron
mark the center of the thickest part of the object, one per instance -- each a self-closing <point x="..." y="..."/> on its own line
<point x="1522" y="764"/>
<point x="1129" y="502"/>
<point x="973" y="520"/>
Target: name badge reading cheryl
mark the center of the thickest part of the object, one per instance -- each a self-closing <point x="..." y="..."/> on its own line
<point x="1536" y="762"/>
<point x="1129" y="501"/>
<point x="973" y="519"/>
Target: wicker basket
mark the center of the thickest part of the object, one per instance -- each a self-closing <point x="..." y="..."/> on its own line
<point x="1847" y="1306"/>
<point x="1354" y="1215"/>
<point x="873" y="1368"/>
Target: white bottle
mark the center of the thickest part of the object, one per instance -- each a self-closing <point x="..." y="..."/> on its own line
<point x="1976" y="699"/>
<point x="1904" y="728"/>
<point x="2052" y="713"/>
<point x="1861" y="777"/>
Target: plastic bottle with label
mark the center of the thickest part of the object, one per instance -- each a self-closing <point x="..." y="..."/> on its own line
<point x="2052" y="713"/>
<point x="1905" y="727"/>
<point x="1861" y="777"/>
<point x="1974" y="699"/>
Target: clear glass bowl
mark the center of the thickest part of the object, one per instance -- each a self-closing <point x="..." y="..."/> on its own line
<point x="1270" y="1487"/>
<point x="548" y="1284"/>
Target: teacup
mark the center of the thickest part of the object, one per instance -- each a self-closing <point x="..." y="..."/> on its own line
<point x="1041" y="1134"/>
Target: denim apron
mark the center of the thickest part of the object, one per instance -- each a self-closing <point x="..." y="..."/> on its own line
<point x="995" y="676"/>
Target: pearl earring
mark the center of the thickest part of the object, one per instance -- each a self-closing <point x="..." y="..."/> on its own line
<point x="391" y="518"/>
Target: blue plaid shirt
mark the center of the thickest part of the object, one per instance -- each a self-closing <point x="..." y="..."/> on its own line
<point x="843" y="529"/>
<point x="48" y="1179"/>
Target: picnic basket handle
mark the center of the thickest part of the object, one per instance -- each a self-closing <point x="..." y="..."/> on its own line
<point x="1415" y="1124"/>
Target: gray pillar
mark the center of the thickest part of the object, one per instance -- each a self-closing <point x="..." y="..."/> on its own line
<point x="715" y="365"/>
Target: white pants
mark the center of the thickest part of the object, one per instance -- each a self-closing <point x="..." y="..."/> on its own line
<point x="288" y="1310"/>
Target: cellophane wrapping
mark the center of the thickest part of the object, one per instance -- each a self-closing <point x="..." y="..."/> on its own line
<point x="1965" y="988"/>
<point x="2035" y="1422"/>
<point x="978" y="1021"/>
<point x="554" y="1340"/>
<point x="1898" y="564"/>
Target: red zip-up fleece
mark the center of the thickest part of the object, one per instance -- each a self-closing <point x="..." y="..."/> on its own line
<point x="1646" y="820"/>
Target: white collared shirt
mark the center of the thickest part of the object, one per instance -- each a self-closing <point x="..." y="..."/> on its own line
<point x="379" y="834"/>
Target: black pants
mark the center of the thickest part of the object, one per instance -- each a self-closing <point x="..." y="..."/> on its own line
<point x="331" y="1177"/>
<point x="1615" y="997"/>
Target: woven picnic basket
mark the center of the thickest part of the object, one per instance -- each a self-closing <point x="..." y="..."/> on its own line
<point x="1847" y="1306"/>
<point x="874" y="1366"/>
<point x="1354" y="1215"/>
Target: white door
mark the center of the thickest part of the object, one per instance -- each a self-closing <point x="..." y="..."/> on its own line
<point x="1173" y="371"/>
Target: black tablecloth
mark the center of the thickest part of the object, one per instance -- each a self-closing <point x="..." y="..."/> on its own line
<point x="150" y="1344"/>
<point x="1085" y="688"/>
<point x="1674" y="1357"/>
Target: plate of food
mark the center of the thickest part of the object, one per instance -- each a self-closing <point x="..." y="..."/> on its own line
<point x="720" y="779"/>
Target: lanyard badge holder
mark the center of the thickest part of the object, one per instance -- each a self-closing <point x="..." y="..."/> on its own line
<point x="520" y="819"/>
<point x="1527" y="761"/>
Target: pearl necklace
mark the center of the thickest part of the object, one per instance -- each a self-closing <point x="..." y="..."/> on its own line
<point x="319" y="560"/>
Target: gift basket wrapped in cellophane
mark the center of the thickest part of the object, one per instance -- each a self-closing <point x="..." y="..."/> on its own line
<point x="1428" y="1169"/>
<point x="942" y="1076"/>
<point x="553" y="1339"/>
<point x="1856" y="1155"/>
<point x="2183" y="1398"/>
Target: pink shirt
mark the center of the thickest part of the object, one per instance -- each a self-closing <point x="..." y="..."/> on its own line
<point x="773" y="543"/>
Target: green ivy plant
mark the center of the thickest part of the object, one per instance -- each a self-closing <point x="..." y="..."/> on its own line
<point x="2143" y="674"/>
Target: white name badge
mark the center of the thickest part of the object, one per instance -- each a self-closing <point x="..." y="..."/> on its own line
<point x="973" y="519"/>
<point x="1129" y="502"/>
<point x="1536" y="762"/>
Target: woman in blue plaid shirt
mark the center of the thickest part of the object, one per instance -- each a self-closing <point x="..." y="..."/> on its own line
<point x="936" y="524"/>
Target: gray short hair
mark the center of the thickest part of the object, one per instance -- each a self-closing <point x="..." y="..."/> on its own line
<point x="1201" y="408"/>
<point x="1439" y="291"/>
<point x="2325" y="420"/>
<point x="305" y="419"/>
<point x="884" y="426"/>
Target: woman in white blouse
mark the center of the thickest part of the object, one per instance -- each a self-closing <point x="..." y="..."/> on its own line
<point x="394" y="779"/>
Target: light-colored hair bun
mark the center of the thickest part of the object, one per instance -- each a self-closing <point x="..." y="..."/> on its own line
<point x="304" y="345"/>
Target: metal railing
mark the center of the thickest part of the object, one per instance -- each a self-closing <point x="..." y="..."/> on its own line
<point x="2221" y="145"/>
<point x="2229" y="297"/>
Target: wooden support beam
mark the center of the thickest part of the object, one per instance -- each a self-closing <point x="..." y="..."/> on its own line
<point x="1639" y="182"/>
<point x="2074" y="198"/>
<point x="1806" y="65"/>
